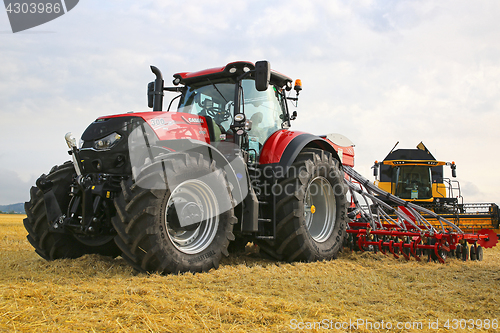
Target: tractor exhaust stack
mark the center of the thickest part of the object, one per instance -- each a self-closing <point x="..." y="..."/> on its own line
<point x="155" y="91"/>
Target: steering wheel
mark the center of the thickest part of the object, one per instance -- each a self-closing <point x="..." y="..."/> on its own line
<point x="218" y="115"/>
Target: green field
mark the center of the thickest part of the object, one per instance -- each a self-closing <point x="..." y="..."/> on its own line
<point x="246" y="294"/>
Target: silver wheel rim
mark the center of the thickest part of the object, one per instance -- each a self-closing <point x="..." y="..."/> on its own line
<point x="203" y="201"/>
<point x="320" y="209"/>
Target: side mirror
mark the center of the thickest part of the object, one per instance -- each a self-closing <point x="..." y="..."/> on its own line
<point x="151" y="93"/>
<point x="453" y="170"/>
<point x="375" y="169"/>
<point x="262" y="75"/>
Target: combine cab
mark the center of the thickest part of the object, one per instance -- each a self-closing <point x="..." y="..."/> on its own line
<point x="414" y="174"/>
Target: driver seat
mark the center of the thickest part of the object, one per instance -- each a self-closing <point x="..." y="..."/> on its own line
<point x="213" y="130"/>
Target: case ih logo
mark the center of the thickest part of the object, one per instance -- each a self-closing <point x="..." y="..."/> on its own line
<point x="195" y="120"/>
<point x="26" y="14"/>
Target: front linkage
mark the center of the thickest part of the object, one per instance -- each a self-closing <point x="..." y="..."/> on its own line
<point x="90" y="209"/>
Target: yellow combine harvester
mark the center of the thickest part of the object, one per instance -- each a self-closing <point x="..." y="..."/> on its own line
<point x="415" y="175"/>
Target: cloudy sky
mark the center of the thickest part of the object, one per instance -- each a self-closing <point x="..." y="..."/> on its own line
<point x="377" y="72"/>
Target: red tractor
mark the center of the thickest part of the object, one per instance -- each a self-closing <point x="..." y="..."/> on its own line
<point x="174" y="191"/>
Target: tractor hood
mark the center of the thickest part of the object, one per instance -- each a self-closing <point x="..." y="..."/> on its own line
<point x="105" y="143"/>
<point x="165" y="125"/>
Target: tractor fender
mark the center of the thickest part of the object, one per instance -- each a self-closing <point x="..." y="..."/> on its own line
<point x="236" y="171"/>
<point x="283" y="147"/>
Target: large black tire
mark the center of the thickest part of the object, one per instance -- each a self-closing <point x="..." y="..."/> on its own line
<point x="149" y="232"/>
<point x="311" y="210"/>
<point x="55" y="245"/>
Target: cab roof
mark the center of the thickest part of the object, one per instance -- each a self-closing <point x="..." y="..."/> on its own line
<point x="409" y="154"/>
<point x="230" y="70"/>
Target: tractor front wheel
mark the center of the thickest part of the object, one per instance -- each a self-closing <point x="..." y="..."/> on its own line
<point x="177" y="216"/>
<point x="50" y="244"/>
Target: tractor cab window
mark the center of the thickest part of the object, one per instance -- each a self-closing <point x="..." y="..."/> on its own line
<point x="412" y="182"/>
<point x="265" y="109"/>
<point x="215" y="100"/>
<point x="211" y="100"/>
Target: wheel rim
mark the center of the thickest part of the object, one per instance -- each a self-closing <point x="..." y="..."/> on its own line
<point x="320" y="209"/>
<point x="192" y="200"/>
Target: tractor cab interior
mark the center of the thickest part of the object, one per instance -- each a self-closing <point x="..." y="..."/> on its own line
<point x="215" y="102"/>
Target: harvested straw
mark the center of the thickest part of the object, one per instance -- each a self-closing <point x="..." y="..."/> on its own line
<point x="246" y="293"/>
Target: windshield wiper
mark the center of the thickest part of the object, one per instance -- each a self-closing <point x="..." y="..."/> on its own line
<point x="218" y="90"/>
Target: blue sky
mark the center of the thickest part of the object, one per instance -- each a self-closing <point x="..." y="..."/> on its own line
<point x="377" y="72"/>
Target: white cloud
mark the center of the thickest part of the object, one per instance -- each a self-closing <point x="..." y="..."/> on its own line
<point x="377" y="72"/>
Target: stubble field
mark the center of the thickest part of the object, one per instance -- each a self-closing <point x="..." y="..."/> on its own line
<point x="246" y="294"/>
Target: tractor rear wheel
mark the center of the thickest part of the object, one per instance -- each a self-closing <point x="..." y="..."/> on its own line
<point x="177" y="216"/>
<point x="52" y="245"/>
<point x="311" y="210"/>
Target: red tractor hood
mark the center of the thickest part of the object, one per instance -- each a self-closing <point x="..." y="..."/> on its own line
<point x="173" y="125"/>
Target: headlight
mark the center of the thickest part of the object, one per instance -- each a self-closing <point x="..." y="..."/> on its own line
<point x="239" y="117"/>
<point x="107" y="142"/>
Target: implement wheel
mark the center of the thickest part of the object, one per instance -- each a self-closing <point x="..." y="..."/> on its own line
<point x="458" y="251"/>
<point x="479" y="254"/>
<point x="465" y="252"/>
<point x="472" y="253"/>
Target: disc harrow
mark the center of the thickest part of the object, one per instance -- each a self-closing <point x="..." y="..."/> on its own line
<point x="401" y="228"/>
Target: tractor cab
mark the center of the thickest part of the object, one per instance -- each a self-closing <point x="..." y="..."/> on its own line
<point x="241" y="102"/>
<point x="265" y="111"/>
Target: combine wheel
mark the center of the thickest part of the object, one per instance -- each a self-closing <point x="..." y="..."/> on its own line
<point x="176" y="217"/>
<point x="311" y="209"/>
<point x="52" y="245"/>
